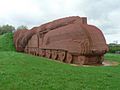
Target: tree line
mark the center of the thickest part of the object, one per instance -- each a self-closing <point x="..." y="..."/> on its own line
<point x="9" y="28"/>
<point x="114" y="48"/>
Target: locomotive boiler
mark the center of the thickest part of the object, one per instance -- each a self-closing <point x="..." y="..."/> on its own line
<point x="70" y="40"/>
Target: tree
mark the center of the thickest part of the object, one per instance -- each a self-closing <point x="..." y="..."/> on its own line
<point x="0" y="30"/>
<point x="22" y="27"/>
<point x="6" y="29"/>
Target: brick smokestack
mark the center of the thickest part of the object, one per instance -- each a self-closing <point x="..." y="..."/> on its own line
<point x="84" y="20"/>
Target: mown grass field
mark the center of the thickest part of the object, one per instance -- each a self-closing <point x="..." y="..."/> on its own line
<point x="20" y="71"/>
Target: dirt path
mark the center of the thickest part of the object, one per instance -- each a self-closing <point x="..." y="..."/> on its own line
<point x="105" y="63"/>
<point x="110" y="63"/>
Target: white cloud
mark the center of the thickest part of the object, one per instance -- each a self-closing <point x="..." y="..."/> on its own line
<point x="102" y="13"/>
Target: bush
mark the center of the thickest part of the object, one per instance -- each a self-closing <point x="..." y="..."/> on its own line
<point x="6" y="42"/>
<point x="114" y="48"/>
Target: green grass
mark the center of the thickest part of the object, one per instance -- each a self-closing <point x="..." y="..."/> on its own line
<point x="6" y="42"/>
<point x="19" y="71"/>
<point x="113" y="57"/>
<point x="26" y="72"/>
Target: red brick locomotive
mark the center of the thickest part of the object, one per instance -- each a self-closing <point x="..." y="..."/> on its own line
<point x="70" y="40"/>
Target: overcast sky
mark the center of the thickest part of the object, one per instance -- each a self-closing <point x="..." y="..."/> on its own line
<point x="105" y="14"/>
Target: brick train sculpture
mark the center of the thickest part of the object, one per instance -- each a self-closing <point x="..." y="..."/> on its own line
<point x="70" y="40"/>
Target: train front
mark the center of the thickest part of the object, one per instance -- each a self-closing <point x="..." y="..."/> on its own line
<point x="97" y="45"/>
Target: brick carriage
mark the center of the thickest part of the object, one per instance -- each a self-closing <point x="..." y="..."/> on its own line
<point x="69" y="40"/>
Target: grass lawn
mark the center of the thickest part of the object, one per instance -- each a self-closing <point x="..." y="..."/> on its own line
<point x="26" y="72"/>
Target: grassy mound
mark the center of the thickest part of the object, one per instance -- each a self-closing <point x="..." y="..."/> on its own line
<point x="26" y="72"/>
<point x="6" y="42"/>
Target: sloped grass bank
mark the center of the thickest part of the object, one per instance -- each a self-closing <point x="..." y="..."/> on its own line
<point x="6" y="42"/>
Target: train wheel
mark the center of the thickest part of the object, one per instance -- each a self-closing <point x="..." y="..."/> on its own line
<point x="26" y="50"/>
<point x="40" y="52"/>
<point x="61" y="55"/>
<point x="69" y="58"/>
<point x="35" y="52"/>
<point x="81" y="60"/>
<point x="43" y="53"/>
<point x="54" y="54"/>
<point x="48" y="53"/>
<point x="100" y="59"/>
<point x="30" y="50"/>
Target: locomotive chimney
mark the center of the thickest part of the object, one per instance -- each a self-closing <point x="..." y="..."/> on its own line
<point x="84" y="20"/>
